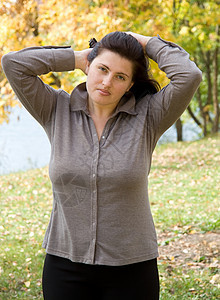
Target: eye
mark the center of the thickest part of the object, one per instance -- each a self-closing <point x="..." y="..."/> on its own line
<point x="102" y="69"/>
<point x="120" y="77"/>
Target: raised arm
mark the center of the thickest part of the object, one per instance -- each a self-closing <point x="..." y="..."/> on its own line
<point x="22" y="69"/>
<point x="168" y="104"/>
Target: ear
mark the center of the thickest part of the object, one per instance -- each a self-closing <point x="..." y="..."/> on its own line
<point x="87" y="67"/>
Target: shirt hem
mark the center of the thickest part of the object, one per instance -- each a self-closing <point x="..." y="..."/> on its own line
<point x="119" y="262"/>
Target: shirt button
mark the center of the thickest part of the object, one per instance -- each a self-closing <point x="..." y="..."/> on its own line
<point x="93" y="175"/>
<point x="103" y="137"/>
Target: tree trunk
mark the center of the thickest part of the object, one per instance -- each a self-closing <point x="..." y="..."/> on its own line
<point x="202" y="112"/>
<point x="215" y="89"/>
<point x="179" y="130"/>
<point x="208" y="75"/>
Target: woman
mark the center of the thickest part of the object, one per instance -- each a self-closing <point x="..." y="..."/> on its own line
<point x="101" y="241"/>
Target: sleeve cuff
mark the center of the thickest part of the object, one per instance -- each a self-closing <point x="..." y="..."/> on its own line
<point x="64" y="58"/>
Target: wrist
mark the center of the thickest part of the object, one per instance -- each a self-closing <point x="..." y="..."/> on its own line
<point x="147" y="38"/>
<point x="81" y="59"/>
<point x="78" y="60"/>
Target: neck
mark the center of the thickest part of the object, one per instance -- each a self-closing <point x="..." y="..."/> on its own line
<point x="101" y="111"/>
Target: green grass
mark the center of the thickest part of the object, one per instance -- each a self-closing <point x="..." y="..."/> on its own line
<point x="184" y="195"/>
<point x="25" y="208"/>
<point x="184" y="185"/>
<point x="188" y="285"/>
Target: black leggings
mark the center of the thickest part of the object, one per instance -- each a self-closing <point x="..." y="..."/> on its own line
<point x="66" y="280"/>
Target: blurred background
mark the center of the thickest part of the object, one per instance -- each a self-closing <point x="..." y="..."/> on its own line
<point x="193" y="24"/>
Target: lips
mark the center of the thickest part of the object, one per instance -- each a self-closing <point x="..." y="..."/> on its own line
<point x="104" y="92"/>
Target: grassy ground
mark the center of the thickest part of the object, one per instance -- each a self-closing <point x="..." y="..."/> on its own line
<point x="184" y="193"/>
<point x="183" y="188"/>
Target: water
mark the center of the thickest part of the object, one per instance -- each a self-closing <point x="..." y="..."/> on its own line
<point x="24" y="144"/>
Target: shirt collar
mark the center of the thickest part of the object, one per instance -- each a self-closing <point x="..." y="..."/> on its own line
<point x="78" y="101"/>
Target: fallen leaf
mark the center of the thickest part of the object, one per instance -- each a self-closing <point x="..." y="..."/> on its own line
<point x="27" y="283"/>
<point x="215" y="279"/>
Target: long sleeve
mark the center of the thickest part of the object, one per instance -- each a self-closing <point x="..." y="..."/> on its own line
<point x="22" y="69"/>
<point x="167" y="105"/>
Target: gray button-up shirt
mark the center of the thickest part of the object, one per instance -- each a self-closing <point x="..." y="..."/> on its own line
<point x="101" y="212"/>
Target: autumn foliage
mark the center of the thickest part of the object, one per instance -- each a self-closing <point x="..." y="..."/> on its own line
<point x="193" y="24"/>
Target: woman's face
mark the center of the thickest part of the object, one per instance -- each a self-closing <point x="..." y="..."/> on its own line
<point x="109" y="78"/>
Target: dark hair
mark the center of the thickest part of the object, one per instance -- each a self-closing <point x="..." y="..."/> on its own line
<point x="128" y="47"/>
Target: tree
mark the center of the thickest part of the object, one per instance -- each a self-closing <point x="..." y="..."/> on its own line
<point x="197" y="30"/>
<point x="193" y="24"/>
<point x="19" y="29"/>
<point x="30" y="23"/>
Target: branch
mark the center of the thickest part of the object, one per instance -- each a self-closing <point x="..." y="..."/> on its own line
<point x="193" y="116"/>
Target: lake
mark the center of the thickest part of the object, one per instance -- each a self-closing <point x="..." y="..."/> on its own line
<point x="24" y="144"/>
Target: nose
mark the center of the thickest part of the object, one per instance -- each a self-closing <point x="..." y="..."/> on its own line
<point x="107" y="80"/>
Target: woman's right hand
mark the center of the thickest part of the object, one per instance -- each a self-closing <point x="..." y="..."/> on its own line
<point x="81" y="59"/>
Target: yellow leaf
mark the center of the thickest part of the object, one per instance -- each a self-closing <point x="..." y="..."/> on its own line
<point x="201" y="37"/>
<point x="184" y="30"/>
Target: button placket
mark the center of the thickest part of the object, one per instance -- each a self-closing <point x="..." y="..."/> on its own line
<point x="94" y="167"/>
<point x="94" y="196"/>
<point x="108" y="126"/>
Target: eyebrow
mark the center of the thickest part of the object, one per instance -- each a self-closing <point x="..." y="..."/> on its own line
<point x="119" y="73"/>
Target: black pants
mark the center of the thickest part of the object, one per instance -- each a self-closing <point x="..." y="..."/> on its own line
<point x="66" y="280"/>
